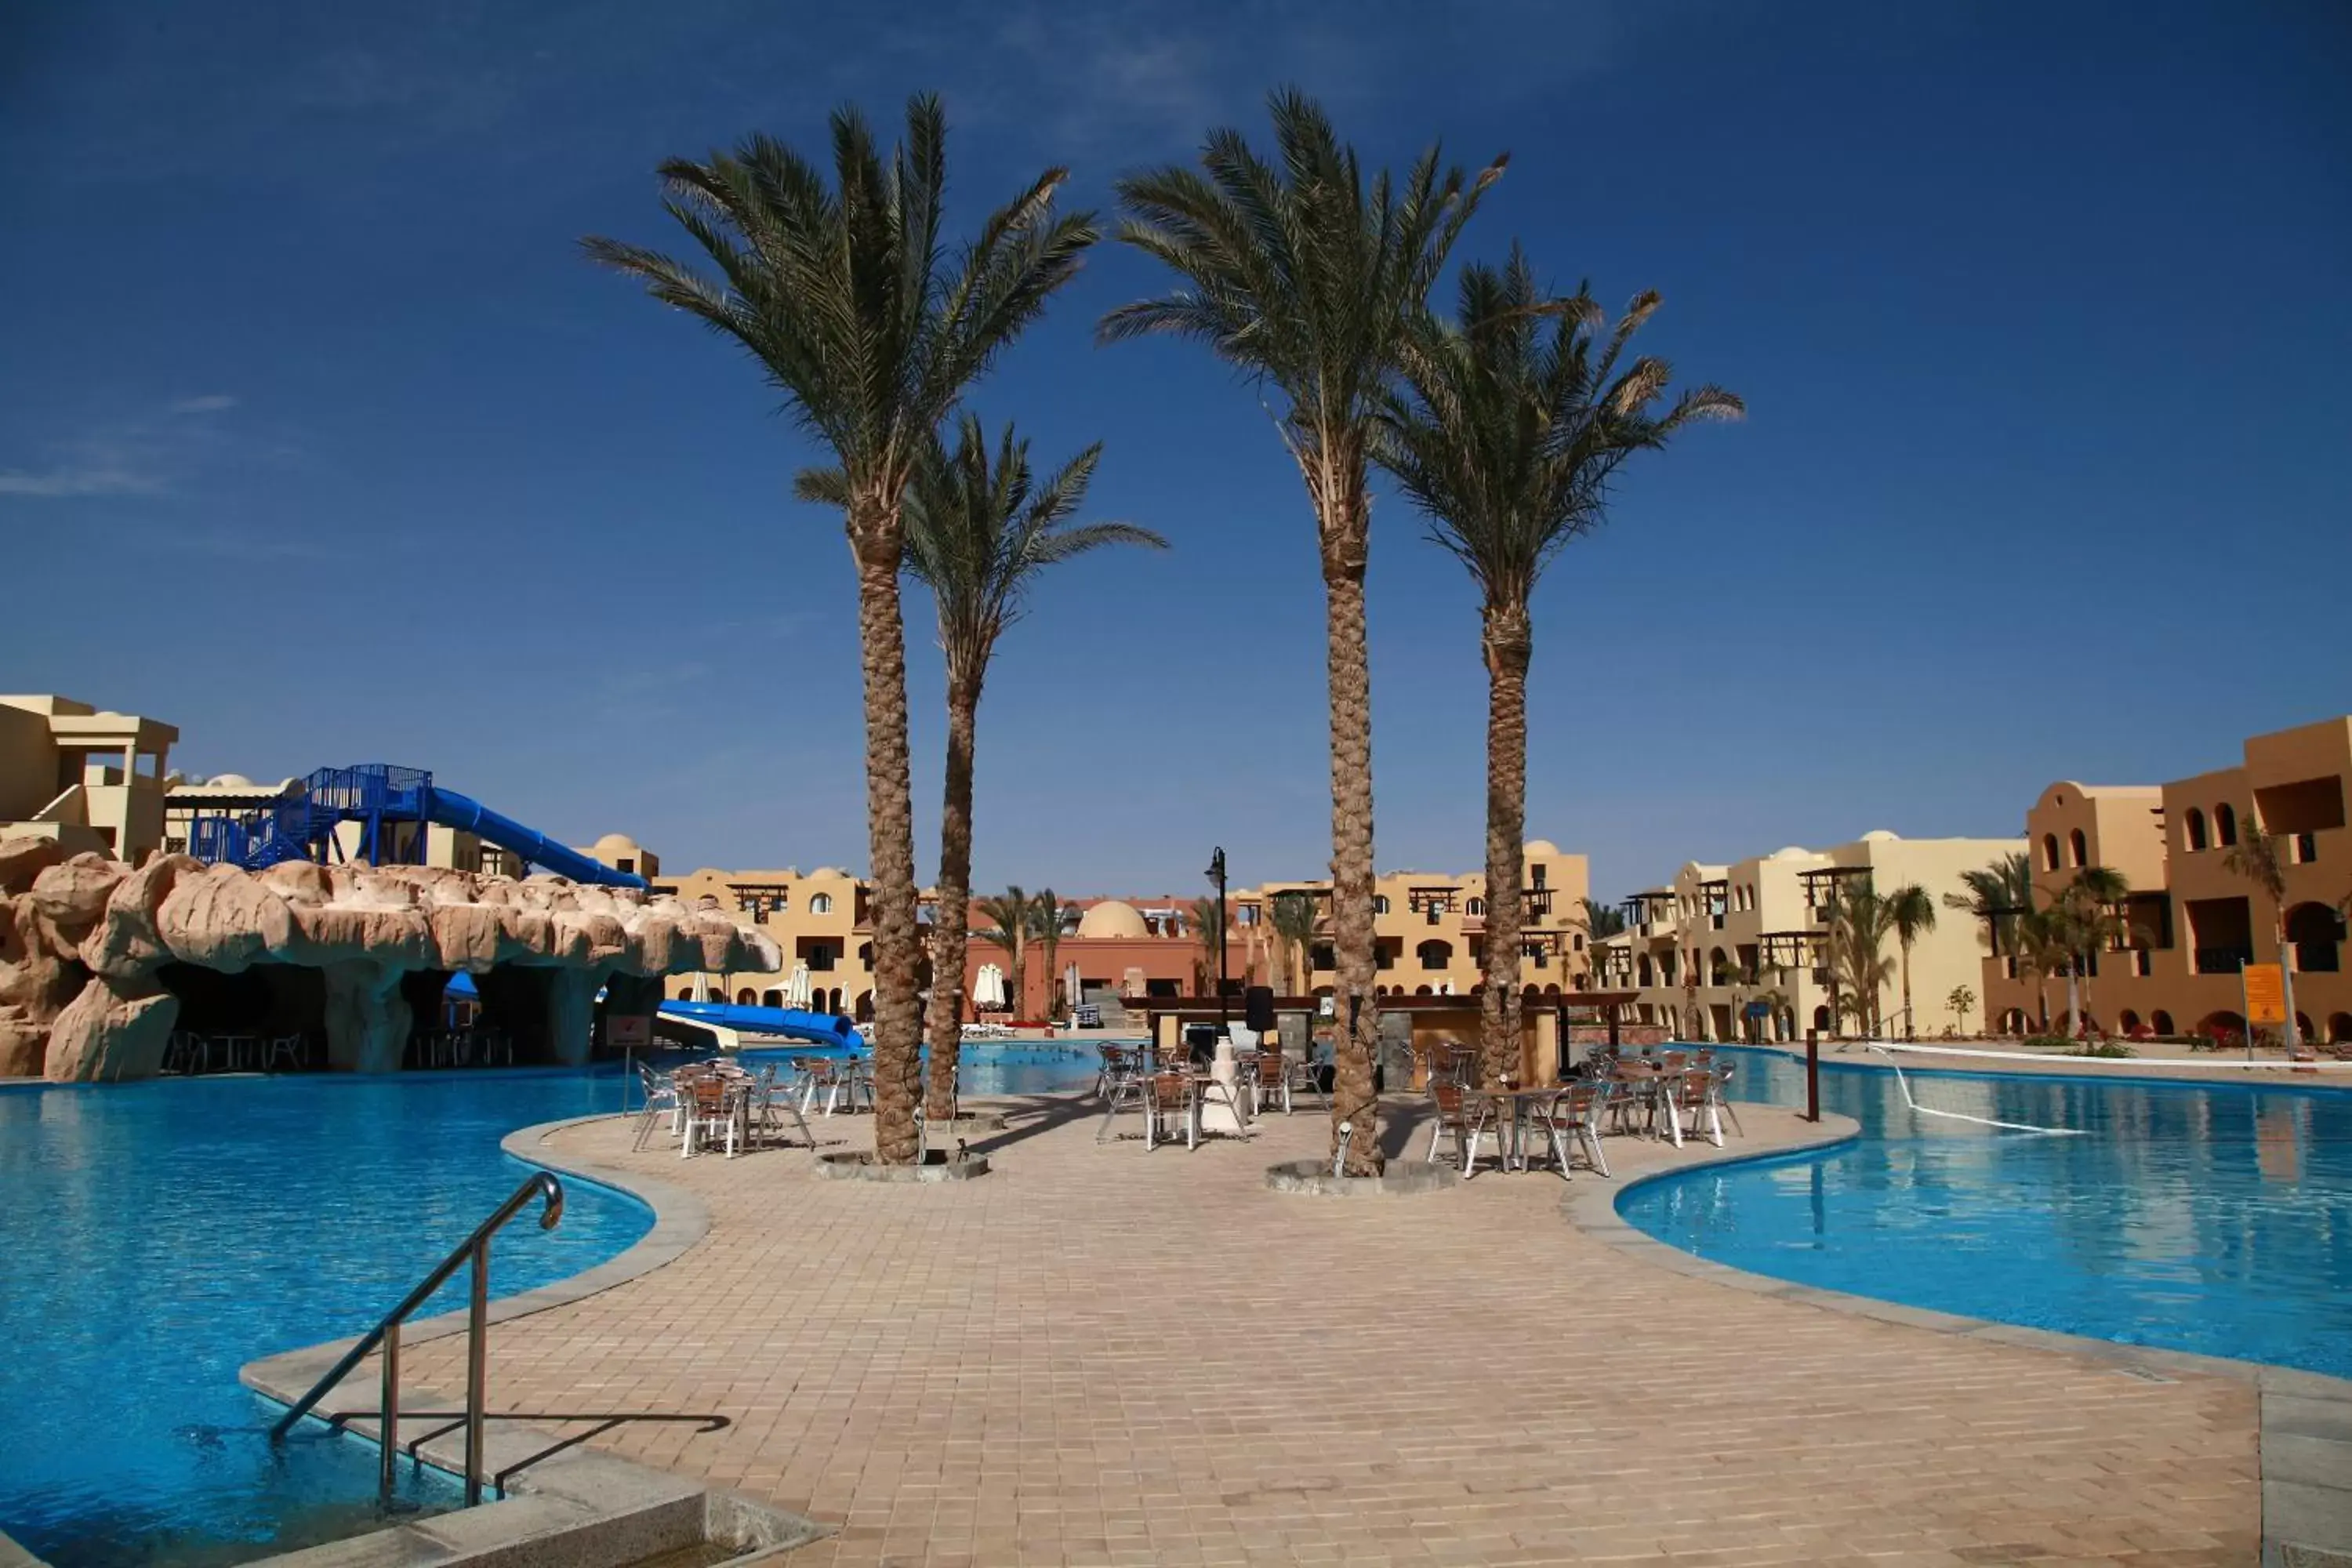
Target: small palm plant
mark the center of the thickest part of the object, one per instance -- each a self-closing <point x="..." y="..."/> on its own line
<point x="979" y="530"/>
<point x="1010" y="912"/>
<point x="1212" y="938"/>
<point x="1960" y="1003"/>
<point x="2257" y="857"/>
<point x="1307" y="278"/>
<point x="1507" y="432"/>
<point x="2045" y="948"/>
<point x="856" y="311"/>
<point x="1912" y="913"/>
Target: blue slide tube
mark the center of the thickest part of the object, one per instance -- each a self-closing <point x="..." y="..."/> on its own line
<point x="450" y="809"/>
<point x="818" y="1028"/>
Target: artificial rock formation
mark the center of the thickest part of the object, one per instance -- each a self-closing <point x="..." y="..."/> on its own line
<point x="83" y="942"/>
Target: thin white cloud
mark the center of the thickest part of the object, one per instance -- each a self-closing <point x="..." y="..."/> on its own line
<point x="210" y="402"/>
<point x="94" y="478"/>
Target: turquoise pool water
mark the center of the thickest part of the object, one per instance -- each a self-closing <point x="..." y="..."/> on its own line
<point x="156" y="1237"/>
<point x="2214" y="1218"/>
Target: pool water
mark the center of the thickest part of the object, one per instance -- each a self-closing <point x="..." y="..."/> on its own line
<point x="2214" y="1218"/>
<point x="158" y="1235"/>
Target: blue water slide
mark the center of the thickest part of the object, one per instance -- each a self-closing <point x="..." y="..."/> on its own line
<point x="450" y="809"/>
<point x="818" y="1028"/>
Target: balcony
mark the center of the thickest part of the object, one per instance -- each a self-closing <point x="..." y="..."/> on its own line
<point x="2222" y="960"/>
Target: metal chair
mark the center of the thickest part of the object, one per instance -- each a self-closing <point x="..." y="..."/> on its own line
<point x="1572" y="1121"/>
<point x="1454" y="1110"/>
<point x="1170" y="1094"/>
<point x="661" y="1099"/>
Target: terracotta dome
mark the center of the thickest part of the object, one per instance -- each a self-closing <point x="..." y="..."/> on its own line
<point x="1112" y="918"/>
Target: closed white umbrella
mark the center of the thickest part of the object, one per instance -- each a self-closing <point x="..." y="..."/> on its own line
<point x="988" y="987"/>
<point x="796" y="989"/>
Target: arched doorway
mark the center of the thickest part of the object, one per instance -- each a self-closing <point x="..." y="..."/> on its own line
<point x="2339" y="1028"/>
<point x="2078" y="847"/>
<point x="2050" y="852"/>
<point x="772" y="999"/>
<point x="2317" y="932"/>
<point x="865" y="1007"/>
<point x="2160" y="1021"/>
<point x="1642" y="972"/>
<point x="2225" y="825"/>
<point x="2128" y="1021"/>
<point x="2013" y="1021"/>
<point x="747" y="998"/>
<point x="1423" y="990"/>
<point x="1821" y="1019"/>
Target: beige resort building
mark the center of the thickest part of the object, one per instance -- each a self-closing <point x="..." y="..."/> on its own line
<point x="1700" y="950"/>
<point x="87" y="779"/>
<point x="1429" y="927"/>
<point x="2190" y="922"/>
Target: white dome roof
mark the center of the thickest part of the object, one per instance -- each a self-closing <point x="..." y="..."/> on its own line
<point x="1878" y="836"/>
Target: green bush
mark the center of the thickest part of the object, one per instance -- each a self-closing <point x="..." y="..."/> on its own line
<point x="2047" y="1042"/>
<point x="2108" y="1048"/>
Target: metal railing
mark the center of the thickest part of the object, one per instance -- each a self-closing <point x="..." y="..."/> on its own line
<point x="474" y="1248"/>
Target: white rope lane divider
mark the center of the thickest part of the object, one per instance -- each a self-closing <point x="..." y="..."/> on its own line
<point x="2228" y="1064"/>
<point x="1905" y="1085"/>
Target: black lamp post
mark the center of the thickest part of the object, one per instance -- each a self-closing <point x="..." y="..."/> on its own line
<point x="1217" y="874"/>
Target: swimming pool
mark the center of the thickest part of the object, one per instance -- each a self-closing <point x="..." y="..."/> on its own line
<point x="2214" y="1218"/>
<point x="158" y="1235"/>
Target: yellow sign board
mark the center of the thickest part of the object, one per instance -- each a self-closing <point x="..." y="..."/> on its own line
<point x="2266" y="987"/>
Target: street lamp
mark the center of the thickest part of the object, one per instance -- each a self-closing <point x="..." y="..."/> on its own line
<point x="1217" y="874"/>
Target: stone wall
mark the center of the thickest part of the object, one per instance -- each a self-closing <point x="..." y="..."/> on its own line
<point x="82" y="942"/>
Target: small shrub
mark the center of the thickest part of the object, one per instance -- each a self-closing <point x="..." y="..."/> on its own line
<point x="2047" y="1042"/>
<point x="2107" y="1048"/>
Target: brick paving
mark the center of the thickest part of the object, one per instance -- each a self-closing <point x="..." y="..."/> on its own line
<point x="1097" y="1355"/>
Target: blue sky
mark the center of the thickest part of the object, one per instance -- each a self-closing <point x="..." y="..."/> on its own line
<point x="317" y="438"/>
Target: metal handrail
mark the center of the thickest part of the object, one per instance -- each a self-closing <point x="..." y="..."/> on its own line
<point x="476" y="1249"/>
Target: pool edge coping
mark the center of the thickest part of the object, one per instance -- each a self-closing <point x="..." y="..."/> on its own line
<point x="2310" y="1490"/>
<point x="573" y="1487"/>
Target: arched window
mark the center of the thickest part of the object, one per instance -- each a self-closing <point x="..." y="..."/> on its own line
<point x="2193" y="828"/>
<point x="2078" y="846"/>
<point x="2050" y="852"/>
<point x="1475" y="906"/>
<point x="1380" y="903"/>
<point x="2225" y="825"/>
<point x="822" y="904"/>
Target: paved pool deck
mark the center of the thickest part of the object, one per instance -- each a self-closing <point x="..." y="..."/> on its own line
<point x="1099" y="1355"/>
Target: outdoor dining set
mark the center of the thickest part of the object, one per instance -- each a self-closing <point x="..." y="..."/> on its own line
<point x="1668" y="1094"/>
<point x="702" y="1103"/>
<point x="1178" y="1097"/>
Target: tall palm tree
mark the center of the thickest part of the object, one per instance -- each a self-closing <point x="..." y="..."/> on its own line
<point x="2256" y="857"/>
<point x="1997" y="895"/>
<point x="978" y="531"/>
<point x="2085" y="911"/>
<point x="1306" y="278"/>
<point x="2045" y="947"/>
<point x="1859" y="928"/>
<point x="1912" y="913"/>
<point x="1294" y="916"/>
<point x="1506" y="430"/>
<point x="850" y="301"/>
<point x="1046" y="915"/>
<point x="1011" y="932"/>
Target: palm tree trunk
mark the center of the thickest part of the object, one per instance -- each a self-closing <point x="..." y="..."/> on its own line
<point x="1017" y="975"/>
<point x="1910" y="1023"/>
<point x="2075" y="997"/>
<point x="2287" y="981"/>
<point x="951" y="925"/>
<point x="1509" y="645"/>
<point x="1349" y="664"/>
<point x="890" y="832"/>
